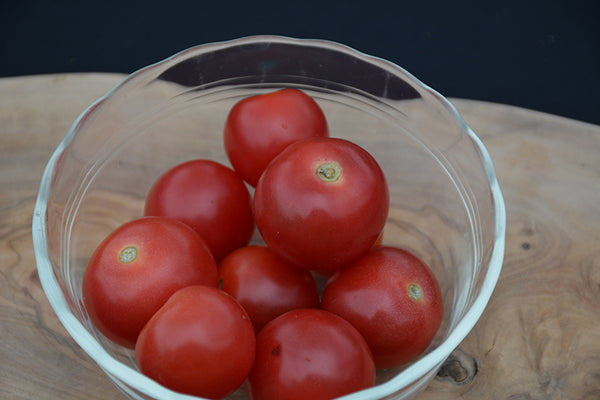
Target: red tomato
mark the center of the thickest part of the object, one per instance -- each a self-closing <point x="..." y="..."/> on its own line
<point x="265" y="285"/>
<point x="393" y="299"/>
<point x="209" y="197"/>
<point x="321" y="203"/>
<point x="259" y="127"/>
<point x="309" y="354"/>
<point x="137" y="268"/>
<point x="201" y="342"/>
<point x="328" y="273"/>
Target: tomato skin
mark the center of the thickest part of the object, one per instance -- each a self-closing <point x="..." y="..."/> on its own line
<point x="201" y="342"/>
<point x="260" y="127"/>
<point x="209" y="197"/>
<point x="120" y="297"/>
<point x="309" y="354"/>
<point x="374" y="294"/>
<point x="328" y="273"/>
<point x="318" y="224"/>
<point x="265" y="285"/>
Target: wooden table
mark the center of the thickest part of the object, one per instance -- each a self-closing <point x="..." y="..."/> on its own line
<point x="539" y="338"/>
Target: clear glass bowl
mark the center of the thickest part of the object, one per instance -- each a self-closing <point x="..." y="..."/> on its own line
<point x="446" y="205"/>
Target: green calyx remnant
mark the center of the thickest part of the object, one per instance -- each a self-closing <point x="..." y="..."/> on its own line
<point x="414" y="292"/>
<point x="128" y="254"/>
<point x="329" y="171"/>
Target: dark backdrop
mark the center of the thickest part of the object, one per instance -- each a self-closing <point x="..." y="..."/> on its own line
<point x="543" y="55"/>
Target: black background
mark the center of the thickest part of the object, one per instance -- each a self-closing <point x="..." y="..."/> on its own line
<point x="542" y="55"/>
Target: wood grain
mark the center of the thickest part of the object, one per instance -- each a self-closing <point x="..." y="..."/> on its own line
<point x="38" y="360"/>
<point x="539" y="338"/>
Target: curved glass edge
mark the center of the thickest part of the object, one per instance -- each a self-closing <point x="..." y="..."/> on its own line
<point x="468" y="321"/>
<point x="145" y="385"/>
<point x="56" y="296"/>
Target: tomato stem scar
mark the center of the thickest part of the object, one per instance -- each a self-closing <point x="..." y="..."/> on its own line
<point x="414" y="292"/>
<point x="128" y="254"/>
<point x="329" y="171"/>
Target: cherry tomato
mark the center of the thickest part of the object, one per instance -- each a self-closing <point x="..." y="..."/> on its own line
<point x="321" y="203"/>
<point x="392" y="298"/>
<point x="136" y="268"/>
<point x="309" y="354"/>
<point x="201" y="342"/>
<point x="209" y="197"/>
<point x="259" y="127"/>
<point x="265" y="285"/>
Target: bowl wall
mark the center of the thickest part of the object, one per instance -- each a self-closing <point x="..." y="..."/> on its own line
<point x="445" y="204"/>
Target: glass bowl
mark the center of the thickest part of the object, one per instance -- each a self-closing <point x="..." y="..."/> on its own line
<point x="445" y="202"/>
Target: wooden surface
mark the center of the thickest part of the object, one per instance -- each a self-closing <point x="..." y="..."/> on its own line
<point x="539" y="338"/>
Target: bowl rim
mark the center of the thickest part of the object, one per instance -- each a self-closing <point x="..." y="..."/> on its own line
<point x="135" y="379"/>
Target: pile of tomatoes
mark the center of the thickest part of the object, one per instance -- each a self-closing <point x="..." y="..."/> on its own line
<point x="206" y="312"/>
